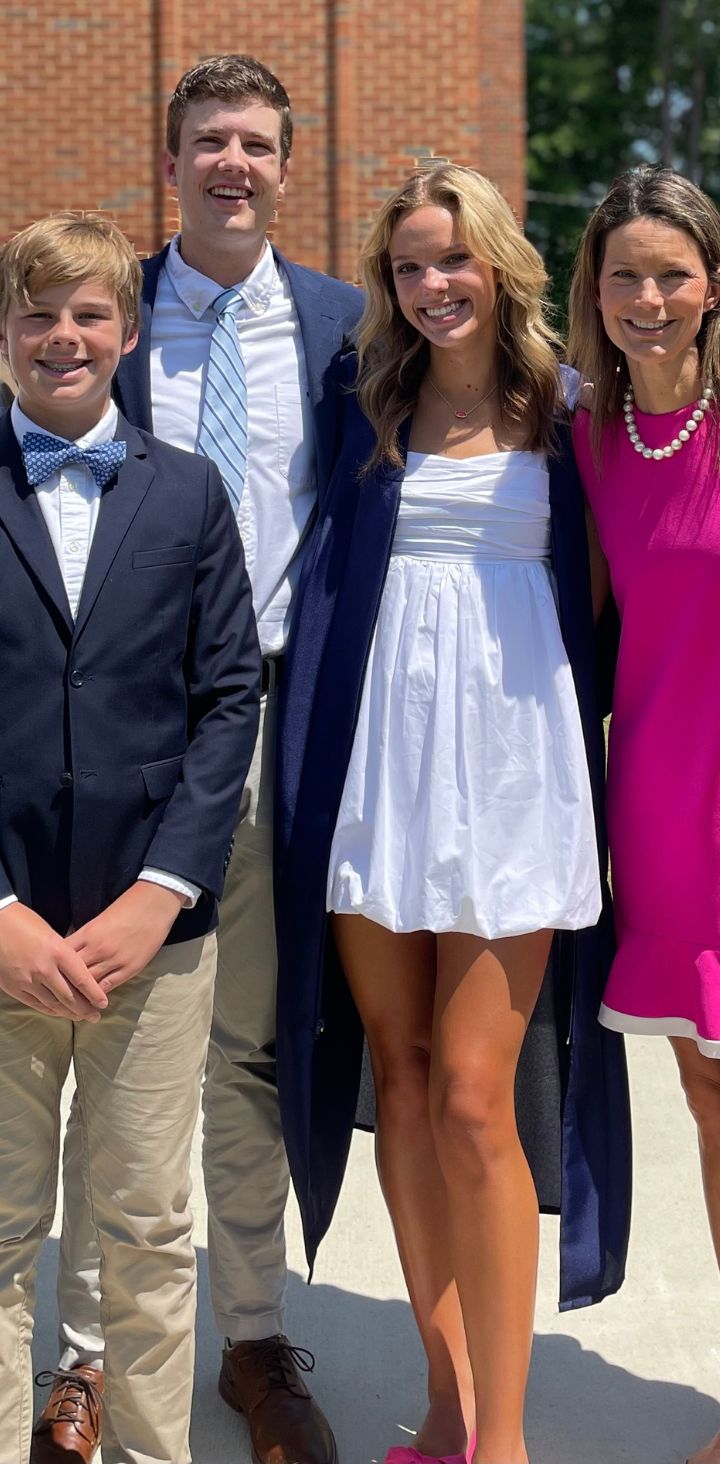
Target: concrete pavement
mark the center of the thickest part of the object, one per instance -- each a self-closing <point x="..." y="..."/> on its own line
<point x="635" y="1379"/>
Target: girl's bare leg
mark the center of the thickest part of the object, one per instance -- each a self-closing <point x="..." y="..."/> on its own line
<point x="392" y="979"/>
<point x="485" y="996"/>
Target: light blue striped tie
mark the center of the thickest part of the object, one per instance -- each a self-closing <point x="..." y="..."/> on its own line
<point x="223" y="421"/>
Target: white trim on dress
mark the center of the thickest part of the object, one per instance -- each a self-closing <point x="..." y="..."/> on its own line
<point x="657" y="1027"/>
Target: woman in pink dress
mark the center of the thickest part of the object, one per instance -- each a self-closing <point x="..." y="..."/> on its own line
<point x="645" y="331"/>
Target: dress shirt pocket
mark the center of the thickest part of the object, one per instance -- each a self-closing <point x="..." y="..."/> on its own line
<point x="161" y="777"/>
<point x="290" y="430"/>
<point x="157" y="558"/>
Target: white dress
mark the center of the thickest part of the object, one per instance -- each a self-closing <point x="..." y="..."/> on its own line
<point x="467" y="802"/>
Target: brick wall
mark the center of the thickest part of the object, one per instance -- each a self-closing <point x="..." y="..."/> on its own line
<point x="79" y="97"/>
<point x="374" y="85"/>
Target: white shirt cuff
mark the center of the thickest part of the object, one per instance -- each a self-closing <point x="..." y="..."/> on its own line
<point x="8" y="900"/>
<point x="173" y="882"/>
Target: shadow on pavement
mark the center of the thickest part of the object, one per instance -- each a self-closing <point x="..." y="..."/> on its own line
<point x="370" y="1381"/>
<point x="584" y="1410"/>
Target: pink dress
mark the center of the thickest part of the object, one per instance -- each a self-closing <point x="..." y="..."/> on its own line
<point x="659" y="526"/>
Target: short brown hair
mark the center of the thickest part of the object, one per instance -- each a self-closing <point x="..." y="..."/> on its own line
<point x="231" y="78"/>
<point x="654" y="192"/>
<point x="66" y="247"/>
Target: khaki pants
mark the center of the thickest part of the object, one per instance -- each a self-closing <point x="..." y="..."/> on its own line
<point x="244" y="1162"/>
<point x="138" y="1075"/>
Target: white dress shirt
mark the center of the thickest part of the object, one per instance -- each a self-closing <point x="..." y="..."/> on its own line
<point x="279" y="496"/>
<point x="70" y="503"/>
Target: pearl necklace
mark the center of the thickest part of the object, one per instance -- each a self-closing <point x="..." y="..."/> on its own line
<point x="461" y="414"/>
<point x="684" y="435"/>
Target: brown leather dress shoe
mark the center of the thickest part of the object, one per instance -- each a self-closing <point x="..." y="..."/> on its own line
<point x="262" y="1380"/>
<point x="69" y="1427"/>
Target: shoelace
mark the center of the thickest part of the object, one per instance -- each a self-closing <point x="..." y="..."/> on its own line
<point x="76" y="1393"/>
<point x="277" y="1357"/>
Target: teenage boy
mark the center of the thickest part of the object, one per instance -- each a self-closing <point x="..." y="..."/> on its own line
<point x="220" y="292"/>
<point x="129" y="681"/>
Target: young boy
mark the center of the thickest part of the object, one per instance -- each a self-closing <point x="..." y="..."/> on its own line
<point x="129" y="681"/>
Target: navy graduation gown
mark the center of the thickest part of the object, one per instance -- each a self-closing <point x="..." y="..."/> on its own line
<point x="572" y="1094"/>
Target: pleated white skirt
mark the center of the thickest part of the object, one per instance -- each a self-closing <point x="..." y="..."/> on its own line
<point x="467" y="802"/>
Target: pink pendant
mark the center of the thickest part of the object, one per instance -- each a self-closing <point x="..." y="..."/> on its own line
<point x="461" y="415"/>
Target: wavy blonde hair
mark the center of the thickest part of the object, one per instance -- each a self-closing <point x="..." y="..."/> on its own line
<point x="652" y="192"/>
<point x="394" y="356"/>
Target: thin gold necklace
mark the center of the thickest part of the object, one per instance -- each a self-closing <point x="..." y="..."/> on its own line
<point x="461" y="414"/>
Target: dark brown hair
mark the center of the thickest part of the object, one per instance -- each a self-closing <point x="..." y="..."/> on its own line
<point x="648" y="192"/>
<point x="231" y="78"/>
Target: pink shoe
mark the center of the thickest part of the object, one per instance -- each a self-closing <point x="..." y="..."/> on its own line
<point x="399" y="1454"/>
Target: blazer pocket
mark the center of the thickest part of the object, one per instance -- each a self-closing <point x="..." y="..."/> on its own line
<point x="156" y="558"/>
<point x="161" y="778"/>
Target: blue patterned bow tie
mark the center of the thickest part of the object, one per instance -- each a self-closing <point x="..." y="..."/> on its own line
<point x="43" y="456"/>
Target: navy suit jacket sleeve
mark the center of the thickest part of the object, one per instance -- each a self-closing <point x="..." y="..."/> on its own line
<point x="222" y="674"/>
<point x="6" y="888"/>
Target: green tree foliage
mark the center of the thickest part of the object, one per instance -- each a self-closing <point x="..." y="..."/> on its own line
<point x="612" y="83"/>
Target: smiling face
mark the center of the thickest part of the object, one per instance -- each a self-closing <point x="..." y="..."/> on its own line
<point x="441" y="289"/>
<point x="229" y="177"/>
<point x="63" y="348"/>
<point x="653" y="291"/>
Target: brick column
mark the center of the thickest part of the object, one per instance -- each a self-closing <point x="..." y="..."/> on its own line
<point x="169" y="67"/>
<point x="500" y="143"/>
<point x="343" y="137"/>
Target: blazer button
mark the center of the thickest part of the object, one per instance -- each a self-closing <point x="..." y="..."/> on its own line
<point x="66" y="780"/>
<point x="76" y="678"/>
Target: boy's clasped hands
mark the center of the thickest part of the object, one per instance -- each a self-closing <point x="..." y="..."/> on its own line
<point x="71" y="976"/>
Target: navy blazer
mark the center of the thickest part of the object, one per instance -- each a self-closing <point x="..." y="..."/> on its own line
<point x="583" y="1118"/>
<point x="126" y="734"/>
<point x="328" y="311"/>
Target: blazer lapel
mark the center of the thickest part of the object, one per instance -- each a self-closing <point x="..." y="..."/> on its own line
<point x="120" y="502"/>
<point x="569" y="546"/>
<point x="360" y="590"/>
<point x="571" y="564"/>
<point x="22" y="517"/>
<point x="378" y="506"/>
<point x="321" y="327"/>
<point x="131" y="387"/>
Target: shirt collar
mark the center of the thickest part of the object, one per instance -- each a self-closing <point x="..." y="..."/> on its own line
<point x="103" y="431"/>
<point x="197" y="292"/>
